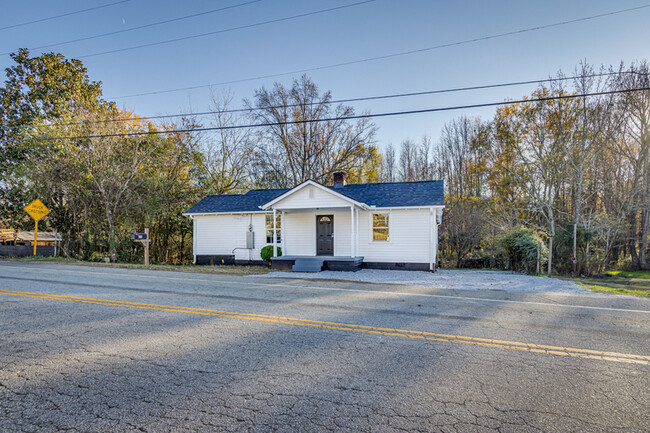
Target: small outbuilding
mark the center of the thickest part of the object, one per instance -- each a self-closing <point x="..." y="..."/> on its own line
<point x="390" y="225"/>
<point x="20" y="237"/>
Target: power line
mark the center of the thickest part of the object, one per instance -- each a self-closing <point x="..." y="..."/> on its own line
<point x="352" y="117"/>
<point x="141" y="27"/>
<point x="359" y="99"/>
<point x="63" y="15"/>
<point x="247" y="26"/>
<point x="383" y="57"/>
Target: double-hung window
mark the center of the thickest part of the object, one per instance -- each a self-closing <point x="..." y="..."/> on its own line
<point x="380" y="230"/>
<point x="269" y="228"/>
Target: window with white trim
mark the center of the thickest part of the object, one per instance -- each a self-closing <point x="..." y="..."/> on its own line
<point x="269" y="228"/>
<point x="380" y="230"/>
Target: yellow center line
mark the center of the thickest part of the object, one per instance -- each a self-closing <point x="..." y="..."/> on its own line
<point x="403" y="333"/>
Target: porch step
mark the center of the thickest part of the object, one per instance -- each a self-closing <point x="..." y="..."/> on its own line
<point x="308" y="265"/>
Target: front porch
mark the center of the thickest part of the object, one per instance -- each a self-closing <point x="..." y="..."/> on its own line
<point x="316" y="263"/>
<point x="319" y="229"/>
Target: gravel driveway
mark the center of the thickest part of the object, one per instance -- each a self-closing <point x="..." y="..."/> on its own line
<point x="448" y="279"/>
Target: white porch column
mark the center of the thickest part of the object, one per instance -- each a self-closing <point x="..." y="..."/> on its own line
<point x="194" y="233"/>
<point x="275" y="235"/>
<point x="356" y="225"/>
<point x="282" y="230"/>
<point x="352" y="233"/>
<point x="435" y="239"/>
<point x="431" y="225"/>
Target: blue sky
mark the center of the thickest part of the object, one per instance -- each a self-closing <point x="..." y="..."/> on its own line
<point x="372" y="29"/>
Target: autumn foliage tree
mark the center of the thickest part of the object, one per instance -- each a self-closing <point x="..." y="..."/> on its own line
<point x="560" y="164"/>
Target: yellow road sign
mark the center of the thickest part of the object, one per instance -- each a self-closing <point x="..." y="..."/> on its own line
<point x="37" y="210"/>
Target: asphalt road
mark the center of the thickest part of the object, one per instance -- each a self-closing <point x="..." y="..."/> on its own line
<point x="102" y="350"/>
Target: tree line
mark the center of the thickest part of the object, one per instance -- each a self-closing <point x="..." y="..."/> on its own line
<point x="543" y="165"/>
<point x="565" y="167"/>
<point x="105" y="172"/>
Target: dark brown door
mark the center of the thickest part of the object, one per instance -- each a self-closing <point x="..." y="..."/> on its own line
<point x="325" y="235"/>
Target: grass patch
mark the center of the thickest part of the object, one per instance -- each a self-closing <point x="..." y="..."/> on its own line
<point x="222" y="270"/>
<point x="641" y="275"/>
<point x="616" y="290"/>
<point x="636" y="283"/>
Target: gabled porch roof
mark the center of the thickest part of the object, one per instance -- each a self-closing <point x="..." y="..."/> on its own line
<point x="331" y="191"/>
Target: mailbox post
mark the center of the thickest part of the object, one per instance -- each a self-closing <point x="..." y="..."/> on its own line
<point x="143" y="238"/>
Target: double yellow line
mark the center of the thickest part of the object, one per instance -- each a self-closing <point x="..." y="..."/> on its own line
<point x="403" y="333"/>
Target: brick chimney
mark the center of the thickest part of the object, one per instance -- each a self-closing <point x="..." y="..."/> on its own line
<point x="339" y="179"/>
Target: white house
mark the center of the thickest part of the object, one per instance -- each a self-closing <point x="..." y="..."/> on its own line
<point x="341" y="227"/>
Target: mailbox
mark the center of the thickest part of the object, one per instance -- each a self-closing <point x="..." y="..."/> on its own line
<point x="138" y="236"/>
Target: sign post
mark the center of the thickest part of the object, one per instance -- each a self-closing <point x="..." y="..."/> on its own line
<point x="37" y="210"/>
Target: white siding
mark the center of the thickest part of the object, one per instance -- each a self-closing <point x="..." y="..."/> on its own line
<point x="300" y="233"/>
<point x="221" y="234"/>
<point x="341" y="232"/>
<point x="311" y="197"/>
<point x="409" y="237"/>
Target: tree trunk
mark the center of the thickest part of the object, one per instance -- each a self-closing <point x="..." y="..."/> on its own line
<point x="182" y="247"/>
<point x="550" y="255"/>
<point x="643" y="240"/>
<point x="111" y="234"/>
<point x="588" y="269"/>
<point x="632" y="241"/>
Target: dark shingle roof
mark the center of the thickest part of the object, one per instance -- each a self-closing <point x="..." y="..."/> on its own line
<point x="249" y="202"/>
<point x="393" y="194"/>
<point x="396" y="194"/>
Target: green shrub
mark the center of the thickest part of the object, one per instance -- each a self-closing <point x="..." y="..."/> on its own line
<point x="267" y="252"/>
<point x="563" y="249"/>
<point x="623" y="264"/>
<point x="97" y="256"/>
<point x="520" y="247"/>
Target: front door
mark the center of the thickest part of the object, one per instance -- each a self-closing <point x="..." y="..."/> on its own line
<point x="325" y="235"/>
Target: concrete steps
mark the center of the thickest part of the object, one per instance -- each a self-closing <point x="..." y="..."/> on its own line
<point x="308" y="265"/>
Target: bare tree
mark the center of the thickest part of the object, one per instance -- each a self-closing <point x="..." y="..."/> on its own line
<point x="414" y="161"/>
<point x="408" y="158"/>
<point x="304" y="135"/>
<point x="634" y="148"/>
<point x="550" y="125"/>
<point x="388" y="170"/>
<point x="596" y="123"/>
<point x="458" y="155"/>
<point x="225" y="154"/>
